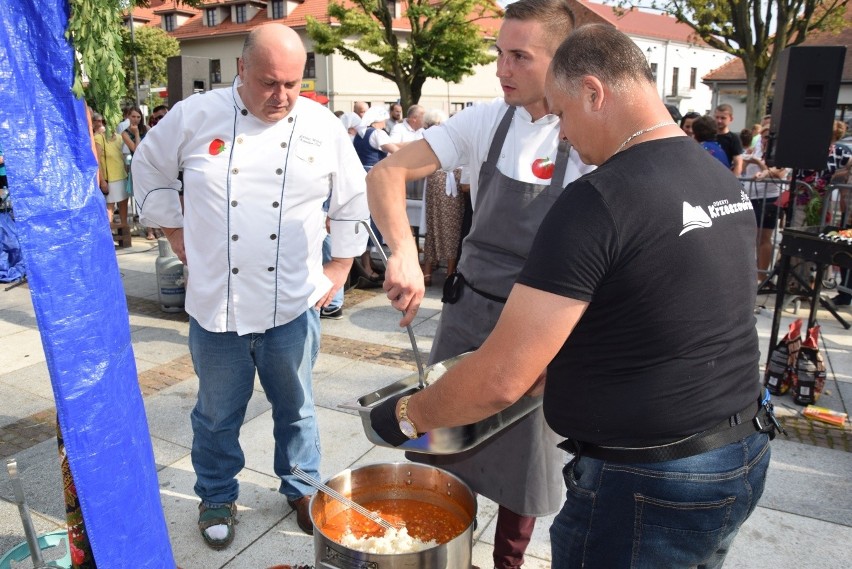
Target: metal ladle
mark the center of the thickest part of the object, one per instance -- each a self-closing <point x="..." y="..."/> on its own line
<point x="373" y="516"/>
<point x="421" y="375"/>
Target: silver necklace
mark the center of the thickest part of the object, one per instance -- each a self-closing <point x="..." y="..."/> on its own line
<point x="641" y="132"/>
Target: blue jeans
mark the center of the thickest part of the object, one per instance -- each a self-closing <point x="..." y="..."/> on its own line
<point x="225" y="364"/>
<point x="676" y="514"/>
<point x="337" y="301"/>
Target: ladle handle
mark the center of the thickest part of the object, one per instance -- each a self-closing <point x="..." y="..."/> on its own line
<point x="305" y="477"/>
<point x="421" y="374"/>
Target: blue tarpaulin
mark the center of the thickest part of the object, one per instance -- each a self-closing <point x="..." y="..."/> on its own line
<point x="76" y="289"/>
<point x="12" y="267"/>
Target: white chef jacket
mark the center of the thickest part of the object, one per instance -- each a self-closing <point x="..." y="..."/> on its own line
<point x="253" y="192"/>
<point x="464" y="140"/>
<point x="402" y="132"/>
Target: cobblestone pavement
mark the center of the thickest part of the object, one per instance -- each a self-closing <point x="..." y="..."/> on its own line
<point x="800" y="429"/>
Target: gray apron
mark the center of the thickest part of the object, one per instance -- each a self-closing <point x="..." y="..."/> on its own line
<point x="521" y="467"/>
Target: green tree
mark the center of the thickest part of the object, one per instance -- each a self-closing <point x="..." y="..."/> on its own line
<point x="756" y="31"/>
<point x="445" y="41"/>
<point x="95" y="31"/>
<point x="152" y="47"/>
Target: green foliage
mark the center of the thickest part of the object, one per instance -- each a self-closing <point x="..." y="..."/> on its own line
<point x="444" y="43"/>
<point x="152" y="46"/>
<point x="756" y="31"/>
<point x="94" y="31"/>
<point x="813" y="211"/>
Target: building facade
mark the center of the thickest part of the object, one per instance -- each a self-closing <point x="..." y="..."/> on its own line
<point x="218" y="28"/>
<point x="728" y="83"/>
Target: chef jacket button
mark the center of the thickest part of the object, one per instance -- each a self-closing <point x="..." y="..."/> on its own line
<point x="283" y="145"/>
<point x="270" y="269"/>
<point x="240" y="140"/>
<point x="273" y="237"/>
<point x="235" y="270"/>
<point x="235" y="237"/>
<point x="235" y="171"/>
<point x="275" y="204"/>
<point x="244" y="112"/>
<point x="234" y="203"/>
<point x="290" y="119"/>
<point x="279" y="171"/>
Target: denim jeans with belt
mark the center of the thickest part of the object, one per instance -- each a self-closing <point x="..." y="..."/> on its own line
<point x="675" y="514"/>
<point x="225" y="364"/>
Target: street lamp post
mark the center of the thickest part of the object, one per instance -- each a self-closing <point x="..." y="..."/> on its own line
<point x="128" y="5"/>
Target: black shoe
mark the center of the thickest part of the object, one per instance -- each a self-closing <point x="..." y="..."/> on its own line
<point x="303" y="516"/>
<point x="331" y="313"/>
<point x="365" y="283"/>
<point x="842" y="300"/>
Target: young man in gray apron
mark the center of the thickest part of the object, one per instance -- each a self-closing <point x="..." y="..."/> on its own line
<point x="513" y="150"/>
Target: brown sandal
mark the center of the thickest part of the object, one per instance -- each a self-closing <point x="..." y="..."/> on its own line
<point x="221" y="516"/>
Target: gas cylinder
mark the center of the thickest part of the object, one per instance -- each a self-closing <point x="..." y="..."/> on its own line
<point x="171" y="278"/>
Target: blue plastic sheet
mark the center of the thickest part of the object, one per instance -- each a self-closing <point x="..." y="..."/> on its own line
<point x="76" y="288"/>
<point x="12" y="267"/>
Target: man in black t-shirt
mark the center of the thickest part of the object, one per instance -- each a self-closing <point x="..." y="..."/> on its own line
<point x="729" y="141"/>
<point x="637" y="297"/>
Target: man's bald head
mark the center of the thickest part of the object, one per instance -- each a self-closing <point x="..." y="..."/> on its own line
<point x="271" y="70"/>
<point x="273" y="36"/>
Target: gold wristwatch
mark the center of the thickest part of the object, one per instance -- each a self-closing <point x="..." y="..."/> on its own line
<point x="406" y="425"/>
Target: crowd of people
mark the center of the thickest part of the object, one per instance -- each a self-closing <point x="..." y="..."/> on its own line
<point x="114" y="146"/>
<point x="768" y="187"/>
<point x="378" y="131"/>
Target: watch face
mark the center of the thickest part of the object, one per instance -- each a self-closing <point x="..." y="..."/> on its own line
<point x="407" y="429"/>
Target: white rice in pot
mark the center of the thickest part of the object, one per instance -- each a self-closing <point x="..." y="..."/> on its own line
<point x="393" y="542"/>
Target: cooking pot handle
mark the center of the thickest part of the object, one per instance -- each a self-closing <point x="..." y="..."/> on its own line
<point x="354" y="407"/>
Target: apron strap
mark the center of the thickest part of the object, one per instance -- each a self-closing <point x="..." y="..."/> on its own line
<point x="561" y="165"/>
<point x="499" y="137"/>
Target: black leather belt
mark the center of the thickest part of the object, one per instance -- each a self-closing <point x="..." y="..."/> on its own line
<point x="452" y="290"/>
<point x="731" y="430"/>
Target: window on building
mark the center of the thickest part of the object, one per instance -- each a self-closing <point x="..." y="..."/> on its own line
<point x="675" y="73"/>
<point x="277" y="9"/>
<point x="391" y="4"/>
<point x="456" y="107"/>
<point x="211" y="18"/>
<point x="693" y="78"/>
<point x="654" y="71"/>
<point x="311" y="66"/>
<point x="169" y="22"/>
<point x="240" y="9"/>
<point x="215" y="71"/>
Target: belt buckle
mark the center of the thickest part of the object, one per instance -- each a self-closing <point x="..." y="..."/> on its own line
<point x="773" y="425"/>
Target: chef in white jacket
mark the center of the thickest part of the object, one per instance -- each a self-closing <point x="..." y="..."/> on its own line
<point x="258" y="162"/>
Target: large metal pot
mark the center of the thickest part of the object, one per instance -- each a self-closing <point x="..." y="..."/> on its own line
<point x="395" y="480"/>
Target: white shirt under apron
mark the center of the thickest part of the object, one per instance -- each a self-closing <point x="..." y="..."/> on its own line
<point x="464" y="139"/>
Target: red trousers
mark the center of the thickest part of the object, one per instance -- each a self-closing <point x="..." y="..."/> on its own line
<point x="511" y="538"/>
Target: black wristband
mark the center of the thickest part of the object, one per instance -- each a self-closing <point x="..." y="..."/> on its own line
<point x="384" y="422"/>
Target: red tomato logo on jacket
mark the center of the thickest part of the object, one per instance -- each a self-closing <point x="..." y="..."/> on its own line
<point x="543" y="168"/>
<point x="217" y="146"/>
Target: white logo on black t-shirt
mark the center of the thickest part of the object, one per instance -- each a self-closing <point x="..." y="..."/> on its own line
<point x="695" y="216"/>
